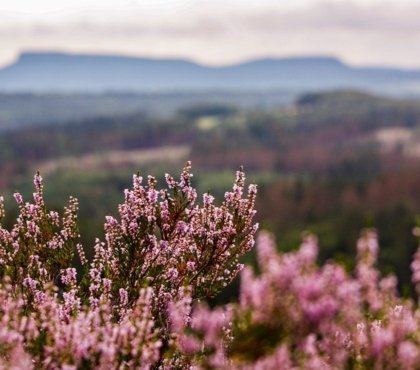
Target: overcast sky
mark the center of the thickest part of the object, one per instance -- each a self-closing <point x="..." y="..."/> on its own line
<point x="361" y="32"/>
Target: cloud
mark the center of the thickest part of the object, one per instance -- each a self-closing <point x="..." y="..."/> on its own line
<point x="384" y="17"/>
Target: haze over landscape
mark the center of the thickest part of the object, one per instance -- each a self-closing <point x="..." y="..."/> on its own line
<point x="359" y="32"/>
<point x="212" y="70"/>
<point x="180" y="45"/>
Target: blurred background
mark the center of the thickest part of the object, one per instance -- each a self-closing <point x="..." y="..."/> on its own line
<point x="319" y="100"/>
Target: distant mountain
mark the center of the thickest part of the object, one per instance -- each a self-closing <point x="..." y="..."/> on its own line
<point x="50" y="72"/>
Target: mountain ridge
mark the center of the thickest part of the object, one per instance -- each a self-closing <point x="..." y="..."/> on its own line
<point x="65" y="72"/>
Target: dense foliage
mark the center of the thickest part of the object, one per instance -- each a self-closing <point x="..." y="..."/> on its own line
<point x="139" y="303"/>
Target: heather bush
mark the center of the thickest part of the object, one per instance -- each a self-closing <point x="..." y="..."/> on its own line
<point x="139" y="303"/>
<point x="297" y="315"/>
<point x="163" y="246"/>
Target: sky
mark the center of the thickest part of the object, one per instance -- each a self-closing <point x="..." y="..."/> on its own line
<point x="216" y="32"/>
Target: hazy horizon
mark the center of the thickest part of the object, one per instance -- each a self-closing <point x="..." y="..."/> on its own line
<point x="367" y="33"/>
<point x="192" y="60"/>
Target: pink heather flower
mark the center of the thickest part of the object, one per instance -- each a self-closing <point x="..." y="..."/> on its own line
<point x="30" y="283"/>
<point x="266" y="248"/>
<point x="111" y="221"/>
<point x="170" y="181"/>
<point x="191" y="265"/>
<point x="68" y="367"/>
<point x="237" y="191"/>
<point x="240" y="178"/>
<point x="164" y="244"/>
<point x="408" y="354"/>
<point x="81" y="254"/>
<point x="18" y="198"/>
<point x="361" y="335"/>
<point x="182" y="227"/>
<point x="389" y="284"/>
<point x="37" y="198"/>
<point x="189" y="345"/>
<point x="1" y="207"/>
<point x="367" y="247"/>
<point x="133" y="227"/>
<point x="172" y="273"/>
<point x="229" y="197"/>
<point x="68" y="276"/>
<point x="123" y="296"/>
<point x="19" y="359"/>
<point x="208" y="199"/>
<point x="415" y="268"/>
<point x="38" y="181"/>
<point x="179" y="310"/>
<point x="106" y="284"/>
<point x="381" y="338"/>
<point x="191" y="193"/>
<point x="252" y="189"/>
<point x="54" y="217"/>
<point x="152" y="195"/>
<point x="280" y="359"/>
<point x="309" y="249"/>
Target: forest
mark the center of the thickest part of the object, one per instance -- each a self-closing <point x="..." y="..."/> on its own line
<point x="330" y="163"/>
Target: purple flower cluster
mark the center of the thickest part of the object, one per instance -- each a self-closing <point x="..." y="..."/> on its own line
<point x="132" y="301"/>
<point x="138" y="303"/>
<point x="297" y="315"/>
